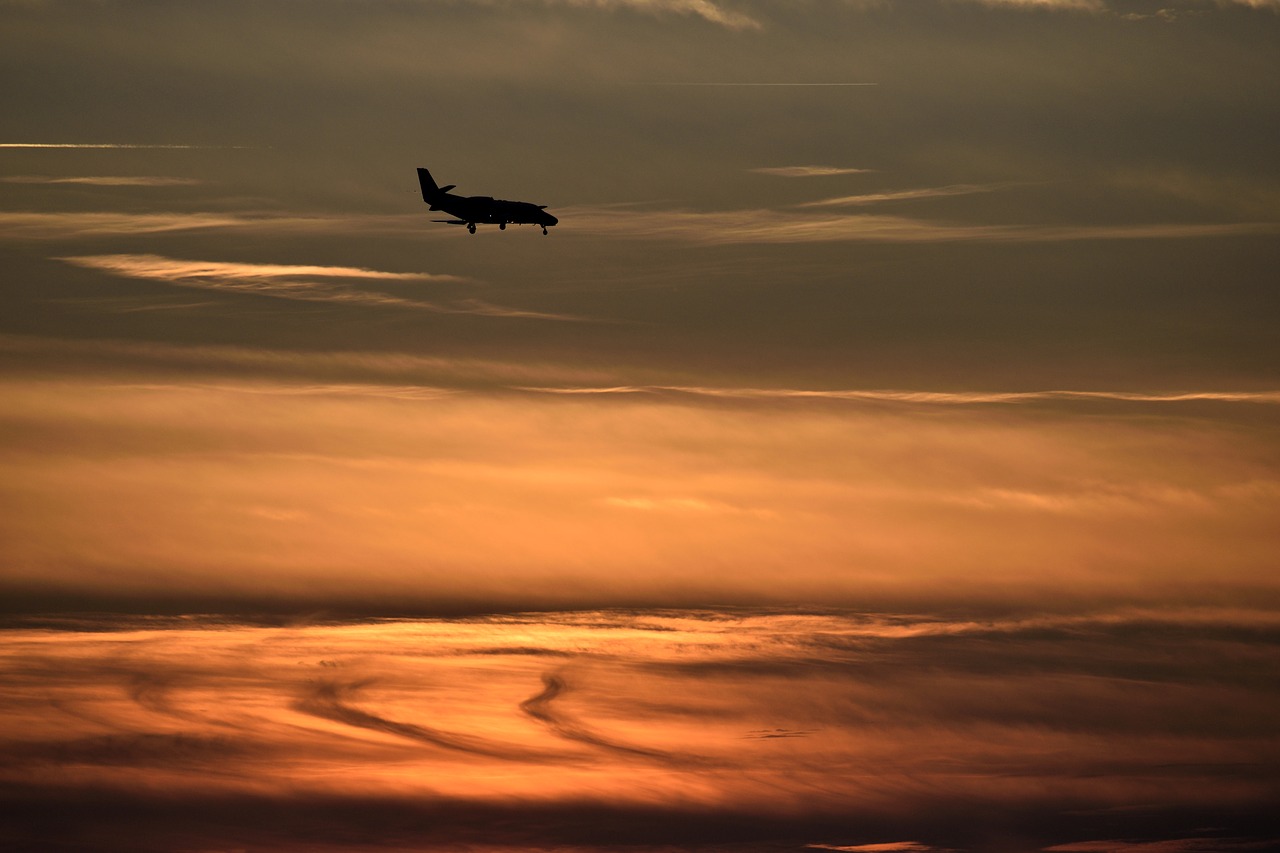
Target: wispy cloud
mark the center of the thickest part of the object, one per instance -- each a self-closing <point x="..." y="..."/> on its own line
<point x="539" y="500"/>
<point x="462" y="717"/>
<point x="34" y="225"/>
<point x="172" y="269"/>
<point x="111" y="145"/>
<point x="1104" y="6"/>
<point x="674" y="504"/>
<point x="764" y="84"/>
<point x="1055" y="5"/>
<point x="104" y="180"/>
<point x="53" y="226"/>
<point x="409" y="375"/>
<point x="1167" y="845"/>
<point x="278" y="280"/>
<point x="343" y="372"/>
<point x="331" y="701"/>
<point x="886" y="847"/>
<point x="562" y="725"/>
<point x="296" y="282"/>
<point x="707" y="10"/>
<point x="944" y="398"/>
<point x="716" y="13"/>
<point x="905" y="195"/>
<point x="758" y="225"/>
<point x="808" y="171"/>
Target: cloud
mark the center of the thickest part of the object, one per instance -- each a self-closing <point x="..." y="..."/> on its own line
<point x="31" y="225"/>
<point x="331" y="701"/>
<point x="707" y="10"/>
<point x="771" y="226"/>
<point x="111" y="145"/>
<point x="808" y="171"/>
<point x="171" y="269"/>
<point x="338" y="372"/>
<point x="1098" y="6"/>
<point x="886" y="847"/>
<point x="905" y="195"/>
<point x="402" y="375"/>
<point x="671" y="504"/>
<point x="105" y="180"/>
<point x="281" y="281"/>
<point x="1053" y="5"/>
<point x="1167" y="15"/>
<point x="762" y="85"/>
<point x="45" y="226"/>
<point x="1244" y="196"/>
<point x="1209" y="844"/>
<point x="1274" y="5"/>
<point x="685" y="505"/>
<point x="140" y="749"/>
<point x="539" y="707"/>
<point x="292" y="282"/>
<point x="120" y="488"/>
<point x="1054" y="730"/>
<point x="945" y="398"/>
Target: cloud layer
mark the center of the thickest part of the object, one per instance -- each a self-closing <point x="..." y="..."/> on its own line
<point x="449" y="497"/>
<point x="510" y="721"/>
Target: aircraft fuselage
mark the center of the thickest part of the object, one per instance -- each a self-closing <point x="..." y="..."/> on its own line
<point x="492" y="211"/>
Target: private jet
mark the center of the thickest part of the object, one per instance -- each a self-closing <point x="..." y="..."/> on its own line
<point x="480" y="209"/>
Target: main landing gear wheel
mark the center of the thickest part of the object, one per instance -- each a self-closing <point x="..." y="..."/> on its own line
<point x="502" y="226"/>
<point x="471" y="226"/>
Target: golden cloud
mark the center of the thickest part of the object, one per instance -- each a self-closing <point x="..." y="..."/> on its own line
<point x="115" y="488"/>
<point x="294" y="282"/>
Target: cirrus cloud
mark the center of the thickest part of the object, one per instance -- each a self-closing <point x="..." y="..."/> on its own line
<point x="287" y="281"/>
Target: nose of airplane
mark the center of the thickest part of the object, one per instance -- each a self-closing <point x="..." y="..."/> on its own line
<point x="548" y="219"/>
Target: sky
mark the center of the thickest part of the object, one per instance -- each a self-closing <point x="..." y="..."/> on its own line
<point x="881" y="454"/>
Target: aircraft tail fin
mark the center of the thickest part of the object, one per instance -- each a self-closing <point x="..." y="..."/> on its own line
<point x="429" y="187"/>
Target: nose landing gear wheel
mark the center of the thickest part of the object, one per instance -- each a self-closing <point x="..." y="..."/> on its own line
<point x="544" y="231"/>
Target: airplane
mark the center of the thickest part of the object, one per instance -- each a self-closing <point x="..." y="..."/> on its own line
<point x="471" y="210"/>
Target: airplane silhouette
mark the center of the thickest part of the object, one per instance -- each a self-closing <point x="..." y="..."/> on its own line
<point x="471" y="210"/>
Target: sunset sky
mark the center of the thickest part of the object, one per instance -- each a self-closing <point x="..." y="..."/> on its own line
<point x="882" y="455"/>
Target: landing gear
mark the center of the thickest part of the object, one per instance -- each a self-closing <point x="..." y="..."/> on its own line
<point x="502" y="226"/>
<point x="471" y="226"/>
<point x="544" y="230"/>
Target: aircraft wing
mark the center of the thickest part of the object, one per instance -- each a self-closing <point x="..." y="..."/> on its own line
<point x="452" y="221"/>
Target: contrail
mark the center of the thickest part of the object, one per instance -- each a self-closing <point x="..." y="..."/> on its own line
<point x="757" y="84"/>
<point x="104" y="180"/>
<point x="105" y="145"/>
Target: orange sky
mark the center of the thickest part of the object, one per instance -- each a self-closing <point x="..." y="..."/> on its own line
<point x="419" y="498"/>
<point x="880" y="455"/>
